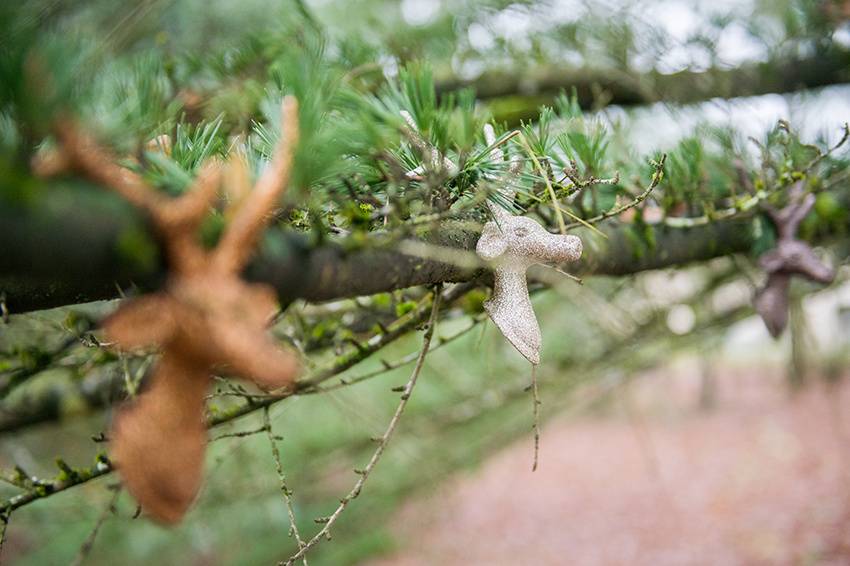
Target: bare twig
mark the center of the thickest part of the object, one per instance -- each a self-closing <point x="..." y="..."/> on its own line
<point x="240" y="434"/>
<point x="47" y="488"/>
<point x="535" y="396"/>
<point x="383" y="440"/>
<point x="408" y="359"/>
<point x="571" y="173"/>
<point x="656" y="178"/>
<point x="748" y="205"/>
<point x="4" y="524"/>
<point x="284" y="488"/>
<point x="823" y="155"/>
<point x="88" y="544"/>
<point x="16" y="478"/>
<point x="103" y="466"/>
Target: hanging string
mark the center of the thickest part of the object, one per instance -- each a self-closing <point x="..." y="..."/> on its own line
<point x="536" y="425"/>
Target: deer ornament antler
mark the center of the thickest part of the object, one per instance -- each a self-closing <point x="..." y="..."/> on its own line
<point x="513" y="244"/>
<point x="790" y="257"/>
<point x="205" y="319"/>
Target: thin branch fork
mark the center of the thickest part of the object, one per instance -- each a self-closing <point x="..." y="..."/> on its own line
<point x="571" y="173"/>
<point x="284" y="487"/>
<point x="617" y="210"/>
<point x="103" y="466"/>
<point x="382" y="440"/>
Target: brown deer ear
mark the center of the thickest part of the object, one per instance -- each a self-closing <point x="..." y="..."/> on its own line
<point x="492" y="242"/>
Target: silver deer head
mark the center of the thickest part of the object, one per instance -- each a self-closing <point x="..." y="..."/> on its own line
<point x="513" y="244"/>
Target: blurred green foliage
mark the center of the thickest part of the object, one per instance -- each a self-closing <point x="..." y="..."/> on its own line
<point x="210" y="76"/>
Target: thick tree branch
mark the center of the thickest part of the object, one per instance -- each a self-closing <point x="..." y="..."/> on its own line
<point x="76" y="245"/>
<point x="525" y="90"/>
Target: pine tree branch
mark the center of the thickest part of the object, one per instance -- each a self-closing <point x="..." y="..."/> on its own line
<point x="383" y="441"/>
<point x="518" y="95"/>
<point x="75" y="476"/>
<point x="74" y="246"/>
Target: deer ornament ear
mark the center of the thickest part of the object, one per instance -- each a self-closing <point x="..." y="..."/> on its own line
<point x="492" y="242"/>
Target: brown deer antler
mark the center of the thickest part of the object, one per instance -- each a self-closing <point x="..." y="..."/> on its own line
<point x="790" y="257"/>
<point x="205" y="318"/>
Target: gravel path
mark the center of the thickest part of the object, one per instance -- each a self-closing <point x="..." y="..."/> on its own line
<point x="760" y="479"/>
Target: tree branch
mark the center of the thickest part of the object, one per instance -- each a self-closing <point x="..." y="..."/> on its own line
<point x="102" y="466"/>
<point x="74" y="245"/>
<point x="523" y="92"/>
<point x="382" y="440"/>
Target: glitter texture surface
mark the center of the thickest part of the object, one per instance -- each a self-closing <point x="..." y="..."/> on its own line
<point x="513" y="244"/>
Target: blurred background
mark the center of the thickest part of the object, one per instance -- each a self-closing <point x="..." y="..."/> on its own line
<point x="675" y="429"/>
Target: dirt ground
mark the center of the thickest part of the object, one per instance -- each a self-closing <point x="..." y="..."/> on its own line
<point x="762" y="478"/>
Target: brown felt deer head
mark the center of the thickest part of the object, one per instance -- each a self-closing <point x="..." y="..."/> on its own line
<point x="206" y="318"/>
<point x="513" y="244"/>
<point x="790" y="257"/>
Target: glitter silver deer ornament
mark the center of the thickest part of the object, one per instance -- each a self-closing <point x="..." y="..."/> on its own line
<point x="790" y="257"/>
<point x="513" y="244"/>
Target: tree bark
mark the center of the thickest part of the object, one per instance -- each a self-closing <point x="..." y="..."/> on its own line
<point x="523" y="92"/>
<point x="78" y="244"/>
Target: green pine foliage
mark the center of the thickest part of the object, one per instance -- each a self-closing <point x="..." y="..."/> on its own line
<point x="170" y="85"/>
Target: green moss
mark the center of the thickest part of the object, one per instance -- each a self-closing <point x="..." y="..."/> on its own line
<point x="137" y="250"/>
<point x="382" y="300"/>
<point x="763" y="235"/>
<point x="828" y="208"/>
<point x="324" y="329"/>
<point x="211" y="229"/>
<point x="66" y="472"/>
<point x="473" y="302"/>
<point x="404" y="307"/>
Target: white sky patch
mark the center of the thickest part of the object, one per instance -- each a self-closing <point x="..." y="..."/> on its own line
<point x="514" y="24"/>
<point x="812" y="113"/>
<point x="678" y="19"/>
<point x="681" y="319"/>
<point x="389" y="65"/>
<point x="480" y="37"/>
<point x="736" y="46"/>
<point x="468" y="69"/>
<point x="420" y="12"/>
<point x="567" y="11"/>
<point x="841" y="36"/>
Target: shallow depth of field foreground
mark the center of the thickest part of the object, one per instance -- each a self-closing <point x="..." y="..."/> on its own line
<point x="374" y="282"/>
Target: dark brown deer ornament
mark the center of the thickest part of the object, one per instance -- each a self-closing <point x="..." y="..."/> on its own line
<point x="790" y="257"/>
